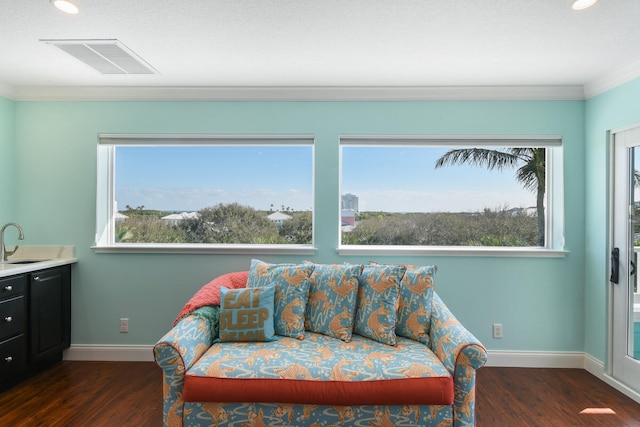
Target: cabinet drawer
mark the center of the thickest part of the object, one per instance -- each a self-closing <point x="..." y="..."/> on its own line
<point x="13" y="286"/>
<point x="13" y="357"/>
<point x="12" y="317"/>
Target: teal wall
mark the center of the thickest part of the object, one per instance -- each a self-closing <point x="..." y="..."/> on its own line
<point x="539" y="301"/>
<point x="7" y="159"/>
<point x="610" y="111"/>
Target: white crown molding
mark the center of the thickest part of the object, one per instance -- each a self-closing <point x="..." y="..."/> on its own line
<point x="7" y="91"/>
<point x="611" y="80"/>
<point x="291" y="93"/>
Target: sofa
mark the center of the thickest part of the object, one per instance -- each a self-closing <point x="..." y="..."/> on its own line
<point x="319" y="345"/>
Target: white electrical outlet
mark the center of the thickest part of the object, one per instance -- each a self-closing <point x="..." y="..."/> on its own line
<point x="124" y="324"/>
<point x="497" y="330"/>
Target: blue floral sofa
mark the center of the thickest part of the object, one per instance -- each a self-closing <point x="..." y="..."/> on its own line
<point x="319" y="345"/>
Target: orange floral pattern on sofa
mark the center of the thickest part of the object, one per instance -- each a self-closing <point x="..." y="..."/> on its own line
<point x="184" y="346"/>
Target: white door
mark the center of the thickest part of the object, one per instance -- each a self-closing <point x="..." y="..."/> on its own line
<point x="625" y="300"/>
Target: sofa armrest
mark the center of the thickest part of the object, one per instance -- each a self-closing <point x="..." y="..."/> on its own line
<point x="184" y="344"/>
<point x="462" y="354"/>
<point x="176" y="352"/>
<point x="450" y="339"/>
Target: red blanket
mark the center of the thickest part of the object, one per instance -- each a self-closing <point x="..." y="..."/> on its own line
<point x="209" y="294"/>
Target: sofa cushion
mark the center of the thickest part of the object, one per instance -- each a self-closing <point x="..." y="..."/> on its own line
<point x="414" y="310"/>
<point x="377" y="302"/>
<point x="247" y="314"/>
<point x="333" y="289"/>
<point x="320" y="370"/>
<point x="292" y="288"/>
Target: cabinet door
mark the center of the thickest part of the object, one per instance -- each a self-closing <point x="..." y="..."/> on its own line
<point x="13" y="358"/>
<point x="50" y="313"/>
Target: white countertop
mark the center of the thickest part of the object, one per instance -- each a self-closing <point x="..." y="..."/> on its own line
<point x="46" y="257"/>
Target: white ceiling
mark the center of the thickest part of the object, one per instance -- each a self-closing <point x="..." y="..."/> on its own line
<point x="320" y="43"/>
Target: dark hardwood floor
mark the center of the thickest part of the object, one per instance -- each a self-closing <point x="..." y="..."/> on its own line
<point x="87" y="394"/>
<point x="550" y="397"/>
<point x="121" y="394"/>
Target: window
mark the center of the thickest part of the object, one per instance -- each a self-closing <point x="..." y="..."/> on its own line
<point x="455" y="192"/>
<point x="202" y="191"/>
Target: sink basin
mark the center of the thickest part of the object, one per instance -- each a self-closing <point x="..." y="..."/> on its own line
<point x="25" y="261"/>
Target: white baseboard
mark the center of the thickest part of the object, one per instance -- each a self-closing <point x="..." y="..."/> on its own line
<point x="520" y="359"/>
<point x="535" y="359"/>
<point x="597" y="369"/>
<point x="497" y="358"/>
<point x="578" y="360"/>
<point x="111" y="353"/>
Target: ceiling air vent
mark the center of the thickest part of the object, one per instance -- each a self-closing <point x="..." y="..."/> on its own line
<point x="106" y="56"/>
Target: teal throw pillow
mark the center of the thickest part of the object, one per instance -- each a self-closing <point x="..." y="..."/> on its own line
<point x="333" y="289"/>
<point x="377" y="302"/>
<point x="247" y="314"/>
<point x="416" y="295"/>
<point x="292" y="289"/>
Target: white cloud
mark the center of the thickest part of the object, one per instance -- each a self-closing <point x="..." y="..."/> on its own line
<point x="428" y="201"/>
<point x="194" y="198"/>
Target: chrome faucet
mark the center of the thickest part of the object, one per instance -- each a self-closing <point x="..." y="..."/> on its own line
<point x="4" y="253"/>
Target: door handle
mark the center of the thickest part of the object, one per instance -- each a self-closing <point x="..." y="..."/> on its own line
<point x="615" y="265"/>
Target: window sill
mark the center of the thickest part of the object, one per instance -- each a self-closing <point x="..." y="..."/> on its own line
<point x="453" y="251"/>
<point x="146" y="248"/>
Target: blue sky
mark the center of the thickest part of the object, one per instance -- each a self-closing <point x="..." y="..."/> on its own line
<point x="191" y="178"/>
<point x="393" y="179"/>
<point x="406" y="181"/>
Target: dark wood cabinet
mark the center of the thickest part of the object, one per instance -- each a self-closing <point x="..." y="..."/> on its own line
<point x="50" y="313"/>
<point x="13" y="326"/>
<point x="35" y="322"/>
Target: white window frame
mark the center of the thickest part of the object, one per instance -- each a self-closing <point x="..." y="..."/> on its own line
<point x="105" y="221"/>
<point x="554" y="245"/>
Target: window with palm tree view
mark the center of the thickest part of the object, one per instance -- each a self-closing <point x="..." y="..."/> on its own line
<point x="208" y="190"/>
<point x="445" y="191"/>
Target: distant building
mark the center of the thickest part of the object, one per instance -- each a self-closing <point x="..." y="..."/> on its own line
<point x="117" y="216"/>
<point x="347" y="228"/>
<point x="530" y="211"/>
<point x="174" y="219"/>
<point x="348" y="217"/>
<point x="350" y="202"/>
<point x="278" y="218"/>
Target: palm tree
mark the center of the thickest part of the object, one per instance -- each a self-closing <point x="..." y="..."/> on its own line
<point x="530" y="173"/>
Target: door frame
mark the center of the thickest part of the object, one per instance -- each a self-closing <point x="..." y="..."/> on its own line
<point x="623" y="265"/>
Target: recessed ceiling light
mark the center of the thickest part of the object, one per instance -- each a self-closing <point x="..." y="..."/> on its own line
<point x="67" y="6"/>
<point x="582" y="4"/>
